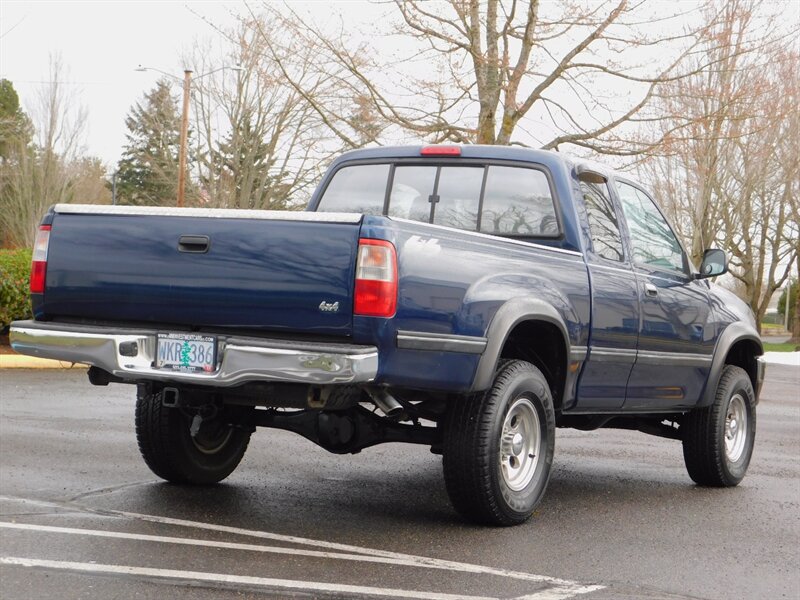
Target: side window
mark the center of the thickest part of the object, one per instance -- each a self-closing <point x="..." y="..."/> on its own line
<point x="360" y="188"/>
<point x="518" y="201"/>
<point x="603" y="223"/>
<point x="652" y="239"/>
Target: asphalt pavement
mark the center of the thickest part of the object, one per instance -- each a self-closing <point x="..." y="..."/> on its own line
<point x="83" y="517"/>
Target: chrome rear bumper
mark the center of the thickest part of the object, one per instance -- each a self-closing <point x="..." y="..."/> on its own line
<point x="239" y="359"/>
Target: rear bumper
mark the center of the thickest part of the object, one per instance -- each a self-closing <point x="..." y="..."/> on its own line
<point x="239" y="360"/>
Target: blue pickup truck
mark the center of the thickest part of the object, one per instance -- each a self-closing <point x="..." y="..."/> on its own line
<point x="472" y="299"/>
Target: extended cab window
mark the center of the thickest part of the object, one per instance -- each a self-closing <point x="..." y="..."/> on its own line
<point x="493" y="199"/>
<point x="653" y="242"/>
<point x="518" y="202"/>
<point x="603" y="223"/>
<point x="360" y="188"/>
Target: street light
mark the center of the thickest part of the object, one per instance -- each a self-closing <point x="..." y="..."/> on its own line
<point x="187" y="83"/>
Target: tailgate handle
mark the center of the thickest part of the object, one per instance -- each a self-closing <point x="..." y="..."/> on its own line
<point x="197" y="244"/>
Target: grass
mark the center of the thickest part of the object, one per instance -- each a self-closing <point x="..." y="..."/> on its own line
<point x="780" y="347"/>
<point x="772" y="328"/>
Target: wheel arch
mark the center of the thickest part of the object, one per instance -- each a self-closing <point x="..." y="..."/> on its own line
<point x="738" y="345"/>
<point x="540" y="326"/>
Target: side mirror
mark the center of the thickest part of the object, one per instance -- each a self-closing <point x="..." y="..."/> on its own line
<point x="714" y="263"/>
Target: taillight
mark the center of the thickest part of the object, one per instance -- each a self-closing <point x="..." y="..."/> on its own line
<point x="376" y="279"/>
<point x="39" y="262"/>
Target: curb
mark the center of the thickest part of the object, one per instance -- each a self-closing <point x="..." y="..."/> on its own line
<point x="20" y="361"/>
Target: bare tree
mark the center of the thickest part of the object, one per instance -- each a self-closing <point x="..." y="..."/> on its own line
<point x="727" y="168"/>
<point x="505" y="72"/>
<point x="50" y="168"/>
<point x="59" y="115"/>
<point x="89" y="183"/>
<point x="260" y="143"/>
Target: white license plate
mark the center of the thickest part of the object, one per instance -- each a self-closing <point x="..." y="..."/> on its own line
<point x="186" y="352"/>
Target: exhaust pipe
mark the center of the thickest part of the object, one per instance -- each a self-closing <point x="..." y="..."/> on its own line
<point x="386" y="402"/>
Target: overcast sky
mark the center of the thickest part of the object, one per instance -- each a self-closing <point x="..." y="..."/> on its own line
<point x="101" y="43"/>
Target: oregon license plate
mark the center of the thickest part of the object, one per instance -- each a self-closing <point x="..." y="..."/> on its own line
<point x="186" y="352"/>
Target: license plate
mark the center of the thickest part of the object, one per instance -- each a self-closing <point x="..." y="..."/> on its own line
<point x="186" y="352"/>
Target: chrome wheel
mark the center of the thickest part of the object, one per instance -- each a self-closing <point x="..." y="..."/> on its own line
<point x="735" y="428"/>
<point x="520" y="444"/>
<point x="498" y="446"/>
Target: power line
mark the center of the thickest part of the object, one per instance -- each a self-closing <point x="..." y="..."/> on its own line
<point x="16" y="81"/>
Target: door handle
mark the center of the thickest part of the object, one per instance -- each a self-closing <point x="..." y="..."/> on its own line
<point x="197" y="244"/>
<point x="650" y="289"/>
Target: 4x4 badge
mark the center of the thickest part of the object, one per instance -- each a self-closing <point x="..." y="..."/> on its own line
<point x="329" y="306"/>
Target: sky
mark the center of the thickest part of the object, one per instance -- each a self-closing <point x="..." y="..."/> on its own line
<point x="101" y="43"/>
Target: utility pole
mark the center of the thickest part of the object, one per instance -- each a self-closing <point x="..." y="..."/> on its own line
<point x="114" y="188"/>
<point x="187" y="82"/>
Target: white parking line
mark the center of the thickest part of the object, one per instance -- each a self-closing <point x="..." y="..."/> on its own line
<point x="562" y="589"/>
<point x="420" y="561"/>
<point x="561" y="593"/>
<point x="314" y="586"/>
<point x="121" y="535"/>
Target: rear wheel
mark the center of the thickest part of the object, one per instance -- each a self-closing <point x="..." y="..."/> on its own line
<point x="498" y="447"/>
<point x="718" y="440"/>
<point x="172" y="453"/>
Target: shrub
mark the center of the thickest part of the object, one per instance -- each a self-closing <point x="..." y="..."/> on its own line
<point x="15" y="272"/>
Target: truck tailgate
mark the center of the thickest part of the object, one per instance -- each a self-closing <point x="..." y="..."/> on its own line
<point x="260" y="270"/>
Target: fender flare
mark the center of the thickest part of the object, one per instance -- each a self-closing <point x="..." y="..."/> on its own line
<point x="733" y="333"/>
<point x="507" y="317"/>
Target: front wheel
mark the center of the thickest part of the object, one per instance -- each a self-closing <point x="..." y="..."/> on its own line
<point x="174" y="454"/>
<point x="718" y="440"/>
<point x="498" y="447"/>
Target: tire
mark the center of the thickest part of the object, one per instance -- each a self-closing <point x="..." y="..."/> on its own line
<point x="170" y="451"/>
<point x="718" y="440"/>
<point x="493" y="478"/>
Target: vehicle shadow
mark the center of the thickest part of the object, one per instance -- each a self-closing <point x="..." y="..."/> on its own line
<point x="356" y="496"/>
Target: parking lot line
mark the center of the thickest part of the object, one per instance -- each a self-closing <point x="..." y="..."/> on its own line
<point x="121" y="535"/>
<point x="420" y="561"/>
<point x="561" y="589"/>
<point x="561" y="593"/>
<point x="224" y="578"/>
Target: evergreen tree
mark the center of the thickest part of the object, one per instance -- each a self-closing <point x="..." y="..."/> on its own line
<point x="244" y="162"/>
<point x="148" y="170"/>
<point x="15" y="126"/>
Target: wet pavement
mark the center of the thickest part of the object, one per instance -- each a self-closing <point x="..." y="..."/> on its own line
<point x="83" y="517"/>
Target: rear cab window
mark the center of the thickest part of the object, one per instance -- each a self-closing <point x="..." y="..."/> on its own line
<point x="505" y="200"/>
